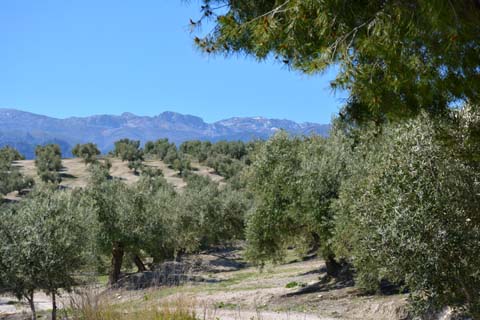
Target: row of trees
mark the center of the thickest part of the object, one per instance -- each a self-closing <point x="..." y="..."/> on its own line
<point x="52" y="236"/>
<point x="227" y="158"/>
<point x="398" y="202"/>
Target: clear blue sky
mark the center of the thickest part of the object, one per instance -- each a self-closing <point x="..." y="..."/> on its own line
<point x="81" y="57"/>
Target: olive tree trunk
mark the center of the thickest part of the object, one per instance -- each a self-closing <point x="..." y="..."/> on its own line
<point x="139" y="263"/>
<point x="116" y="265"/>
<point x="333" y="267"/>
<point x="31" y="302"/>
<point x="54" y="306"/>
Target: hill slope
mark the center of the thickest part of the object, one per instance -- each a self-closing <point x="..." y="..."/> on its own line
<point x="24" y="130"/>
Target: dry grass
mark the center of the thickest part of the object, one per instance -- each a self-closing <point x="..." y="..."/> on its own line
<point x="90" y="305"/>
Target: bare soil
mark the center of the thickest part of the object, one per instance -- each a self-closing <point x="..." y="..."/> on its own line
<point x="240" y="292"/>
<point x="234" y="290"/>
<point x="75" y="173"/>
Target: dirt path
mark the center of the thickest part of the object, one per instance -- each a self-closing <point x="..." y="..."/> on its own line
<point x="257" y="315"/>
<point x="10" y="306"/>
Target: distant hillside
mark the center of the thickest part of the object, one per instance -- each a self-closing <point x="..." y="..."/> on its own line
<point x="24" y="130"/>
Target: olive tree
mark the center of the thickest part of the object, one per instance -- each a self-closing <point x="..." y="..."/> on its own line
<point x="208" y="215"/>
<point x="112" y="203"/>
<point x="158" y="148"/>
<point x="156" y="203"/>
<point x="409" y="214"/>
<point x="129" y="150"/>
<point x="88" y="152"/>
<point x="10" y="154"/>
<point x="48" y="160"/>
<point x="293" y="181"/>
<point x="44" y="239"/>
<point x="11" y="179"/>
<point x="133" y="220"/>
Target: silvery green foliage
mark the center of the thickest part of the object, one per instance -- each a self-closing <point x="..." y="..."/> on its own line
<point x="409" y="214"/>
<point x="293" y="181"/>
<point x="208" y="215"/>
<point x="44" y="239"/>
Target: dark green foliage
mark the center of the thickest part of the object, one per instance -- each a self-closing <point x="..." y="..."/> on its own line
<point x="152" y="172"/>
<point x="409" y="214"/>
<point x="395" y="58"/>
<point x="88" y="152"/>
<point x="48" y="160"/>
<point x="156" y="204"/>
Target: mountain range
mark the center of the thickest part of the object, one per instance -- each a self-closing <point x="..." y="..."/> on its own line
<point x="25" y="130"/>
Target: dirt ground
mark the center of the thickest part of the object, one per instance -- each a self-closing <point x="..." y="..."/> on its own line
<point x="291" y="291"/>
<point x="234" y="291"/>
<point x="75" y="173"/>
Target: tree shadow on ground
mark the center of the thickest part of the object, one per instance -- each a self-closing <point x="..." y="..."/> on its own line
<point x="65" y="175"/>
<point x="325" y="284"/>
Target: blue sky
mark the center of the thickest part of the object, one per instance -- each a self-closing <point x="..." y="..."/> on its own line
<point x="81" y="57"/>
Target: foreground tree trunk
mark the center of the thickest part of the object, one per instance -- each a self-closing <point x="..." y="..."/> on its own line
<point x="54" y="306"/>
<point x="30" y="299"/>
<point x="333" y="267"/>
<point x="315" y="245"/>
<point x="139" y="263"/>
<point x="116" y="265"/>
<point x="179" y="254"/>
